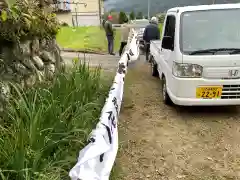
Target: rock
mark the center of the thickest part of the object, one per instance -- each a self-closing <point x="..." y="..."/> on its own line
<point x="9" y="70"/>
<point x="3" y="4"/>
<point x="29" y="64"/>
<point x="38" y="62"/>
<point x="49" y="71"/>
<point x="40" y="76"/>
<point x="8" y="54"/>
<point x="25" y="48"/>
<point x="4" y="95"/>
<point x="43" y="43"/>
<point x="51" y="68"/>
<point x="47" y="44"/>
<point x="30" y="80"/>
<point x="35" y="47"/>
<point x="8" y="75"/>
<point x="62" y="66"/>
<point x="2" y="66"/>
<point x="50" y="44"/>
<point x="47" y="57"/>
<point x="4" y="92"/>
<point x="21" y="69"/>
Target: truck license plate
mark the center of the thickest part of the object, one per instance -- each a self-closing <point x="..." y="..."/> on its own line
<point x="209" y="92"/>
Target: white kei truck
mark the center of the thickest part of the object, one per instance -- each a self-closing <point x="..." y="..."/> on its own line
<point x="198" y="57"/>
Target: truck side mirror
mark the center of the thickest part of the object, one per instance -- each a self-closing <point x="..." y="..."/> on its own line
<point x="167" y="43"/>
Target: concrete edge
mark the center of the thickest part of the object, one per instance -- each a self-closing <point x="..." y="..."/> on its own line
<point x="87" y="51"/>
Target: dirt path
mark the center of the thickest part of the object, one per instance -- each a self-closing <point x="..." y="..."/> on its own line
<point x="158" y="142"/>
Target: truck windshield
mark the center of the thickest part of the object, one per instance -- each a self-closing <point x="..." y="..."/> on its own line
<point x="210" y="29"/>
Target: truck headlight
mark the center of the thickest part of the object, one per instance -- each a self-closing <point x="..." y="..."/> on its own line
<point x="184" y="70"/>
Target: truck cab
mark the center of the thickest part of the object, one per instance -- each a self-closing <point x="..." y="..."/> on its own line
<point x="198" y="58"/>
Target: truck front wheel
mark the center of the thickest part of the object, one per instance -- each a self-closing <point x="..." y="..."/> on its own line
<point x="166" y="98"/>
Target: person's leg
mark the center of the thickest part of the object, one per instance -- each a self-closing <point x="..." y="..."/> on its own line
<point x="109" y="44"/>
<point x="147" y="51"/>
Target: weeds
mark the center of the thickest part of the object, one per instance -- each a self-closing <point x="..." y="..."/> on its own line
<point x="44" y="128"/>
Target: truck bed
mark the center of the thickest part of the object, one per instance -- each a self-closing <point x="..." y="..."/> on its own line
<point x="156" y="43"/>
<point x="155" y="47"/>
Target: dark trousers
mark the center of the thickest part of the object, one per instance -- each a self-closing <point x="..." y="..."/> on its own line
<point x="110" y="40"/>
<point x="147" y="47"/>
<point x="123" y="44"/>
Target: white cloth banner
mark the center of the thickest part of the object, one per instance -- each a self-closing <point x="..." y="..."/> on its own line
<point x="96" y="160"/>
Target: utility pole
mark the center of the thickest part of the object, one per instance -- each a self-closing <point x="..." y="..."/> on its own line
<point x="149" y="4"/>
<point x="100" y="11"/>
<point x="213" y="1"/>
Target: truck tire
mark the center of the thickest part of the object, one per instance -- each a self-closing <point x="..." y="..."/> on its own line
<point x="166" y="98"/>
<point x="154" y="69"/>
<point x="151" y="58"/>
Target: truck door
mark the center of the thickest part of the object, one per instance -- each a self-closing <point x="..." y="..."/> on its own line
<point x="167" y="52"/>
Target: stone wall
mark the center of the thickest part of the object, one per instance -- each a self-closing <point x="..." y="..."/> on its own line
<point x="27" y="63"/>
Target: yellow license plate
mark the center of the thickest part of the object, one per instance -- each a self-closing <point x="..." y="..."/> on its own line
<point x="209" y="92"/>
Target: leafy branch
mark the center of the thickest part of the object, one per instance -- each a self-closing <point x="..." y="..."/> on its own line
<point x="26" y="19"/>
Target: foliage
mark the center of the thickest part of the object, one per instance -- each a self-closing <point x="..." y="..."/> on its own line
<point x="132" y="15"/>
<point x="45" y="127"/>
<point x="139" y="15"/>
<point x="161" y="17"/>
<point x="122" y="17"/>
<point x="26" y="19"/>
<point x="64" y="24"/>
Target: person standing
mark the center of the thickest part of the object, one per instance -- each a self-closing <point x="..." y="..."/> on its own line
<point x="124" y="36"/>
<point x="151" y="32"/>
<point x="109" y="34"/>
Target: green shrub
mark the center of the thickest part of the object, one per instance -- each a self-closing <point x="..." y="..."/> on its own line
<point x="45" y="127"/>
<point x="25" y="19"/>
<point x="161" y="18"/>
<point x="132" y="15"/>
<point x="64" y="24"/>
<point x="122" y="17"/>
<point x="139" y="15"/>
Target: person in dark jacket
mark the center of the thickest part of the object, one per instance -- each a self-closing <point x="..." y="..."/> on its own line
<point x="151" y="32"/>
<point x="109" y="34"/>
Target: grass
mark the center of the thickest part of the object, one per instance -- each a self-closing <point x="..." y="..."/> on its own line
<point x="85" y="38"/>
<point x="44" y="127"/>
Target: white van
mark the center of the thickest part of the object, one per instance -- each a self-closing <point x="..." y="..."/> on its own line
<point x="198" y="58"/>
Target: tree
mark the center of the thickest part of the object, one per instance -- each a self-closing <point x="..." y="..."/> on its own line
<point x="161" y="18"/>
<point x="132" y="15"/>
<point x="139" y="15"/>
<point x="122" y="17"/>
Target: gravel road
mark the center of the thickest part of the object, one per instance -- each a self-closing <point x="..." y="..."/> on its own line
<point x="107" y="62"/>
<point x="159" y="142"/>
